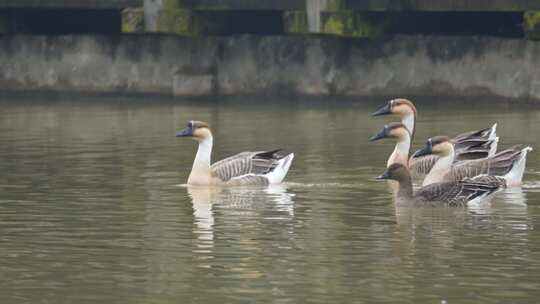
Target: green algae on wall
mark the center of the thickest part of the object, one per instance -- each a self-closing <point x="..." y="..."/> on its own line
<point x="345" y="23"/>
<point x="133" y="20"/>
<point x="175" y="21"/>
<point x="172" y="19"/>
<point x="335" y="5"/>
<point x="351" y="24"/>
<point x="531" y="25"/>
<point x="295" y="22"/>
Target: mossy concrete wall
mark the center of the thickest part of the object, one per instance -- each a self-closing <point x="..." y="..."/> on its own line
<point x="170" y="16"/>
<point x="349" y="24"/>
<point x="133" y="20"/>
<point x="277" y="65"/>
<point x="371" y="5"/>
<point x="531" y="25"/>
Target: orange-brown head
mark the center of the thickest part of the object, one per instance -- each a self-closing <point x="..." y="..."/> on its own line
<point x="399" y="106"/>
<point x="438" y="145"/>
<point x="392" y="130"/>
<point x="199" y="130"/>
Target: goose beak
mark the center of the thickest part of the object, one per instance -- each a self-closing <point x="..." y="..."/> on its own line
<point x="384" y="110"/>
<point x="380" y="135"/>
<point x="427" y="150"/>
<point x="383" y="176"/>
<point x="185" y="132"/>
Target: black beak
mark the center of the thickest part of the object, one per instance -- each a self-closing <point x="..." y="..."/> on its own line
<point x="384" y="110"/>
<point x="185" y="132"/>
<point x="383" y="176"/>
<point x="380" y="135"/>
<point x="427" y="150"/>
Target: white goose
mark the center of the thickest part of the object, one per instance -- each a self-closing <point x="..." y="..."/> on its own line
<point x="470" y="145"/>
<point x="246" y="168"/>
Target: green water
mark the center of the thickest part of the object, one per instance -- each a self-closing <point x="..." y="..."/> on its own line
<point x="92" y="208"/>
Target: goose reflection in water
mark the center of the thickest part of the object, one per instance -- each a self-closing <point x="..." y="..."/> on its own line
<point x="272" y="202"/>
<point x="502" y="214"/>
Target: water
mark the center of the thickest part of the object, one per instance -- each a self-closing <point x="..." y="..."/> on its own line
<point x="92" y="208"/>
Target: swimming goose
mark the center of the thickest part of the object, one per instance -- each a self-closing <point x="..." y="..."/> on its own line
<point x="246" y="168"/>
<point x="470" y="145"/>
<point x="506" y="166"/>
<point x="452" y="194"/>
<point x="401" y="152"/>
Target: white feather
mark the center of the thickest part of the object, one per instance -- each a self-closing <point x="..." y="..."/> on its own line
<point x="493" y="132"/>
<point x="514" y="177"/>
<point x="493" y="147"/>
<point x="277" y="175"/>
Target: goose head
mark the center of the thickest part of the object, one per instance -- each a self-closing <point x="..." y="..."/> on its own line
<point x="438" y="145"/>
<point x="392" y="130"/>
<point x="400" y="106"/>
<point x="198" y="130"/>
<point x="397" y="172"/>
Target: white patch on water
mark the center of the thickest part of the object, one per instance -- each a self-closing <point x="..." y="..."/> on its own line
<point x="324" y="185"/>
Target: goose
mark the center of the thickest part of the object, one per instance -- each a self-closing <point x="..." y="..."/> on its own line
<point x="451" y="194"/>
<point x="470" y="145"/>
<point x="506" y="166"/>
<point x="401" y="152"/>
<point x="245" y="168"/>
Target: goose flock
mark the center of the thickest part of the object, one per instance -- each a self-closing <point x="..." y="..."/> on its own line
<point x="454" y="171"/>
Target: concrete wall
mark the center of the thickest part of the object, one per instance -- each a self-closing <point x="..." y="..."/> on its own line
<point x="65" y="4"/>
<point x="369" y="5"/>
<point x="295" y="65"/>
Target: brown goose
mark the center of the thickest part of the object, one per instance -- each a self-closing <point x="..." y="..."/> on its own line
<point x="246" y="168"/>
<point x="470" y="145"/>
<point x="507" y="165"/>
<point x="451" y="194"/>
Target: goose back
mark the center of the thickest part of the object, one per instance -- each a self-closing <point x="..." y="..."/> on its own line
<point x="248" y="165"/>
<point x="499" y="165"/>
<point x="469" y="149"/>
<point x="455" y="194"/>
<point x="420" y="166"/>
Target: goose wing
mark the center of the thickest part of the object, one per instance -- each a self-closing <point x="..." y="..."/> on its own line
<point x="420" y="166"/>
<point x="475" y="148"/>
<point x="466" y="149"/>
<point x="248" y="165"/>
<point x="476" y="144"/>
<point x="455" y="194"/>
<point x="497" y="165"/>
<point x="487" y="133"/>
<point x="490" y="179"/>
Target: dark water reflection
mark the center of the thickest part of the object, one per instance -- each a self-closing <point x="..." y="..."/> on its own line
<point x="93" y="210"/>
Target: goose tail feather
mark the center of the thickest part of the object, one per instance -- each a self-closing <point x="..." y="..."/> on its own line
<point x="493" y="132"/>
<point x="515" y="175"/>
<point x="277" y="175"/>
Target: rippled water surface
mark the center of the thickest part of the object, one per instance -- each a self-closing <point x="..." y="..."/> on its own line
<point x="92" y="208"/>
